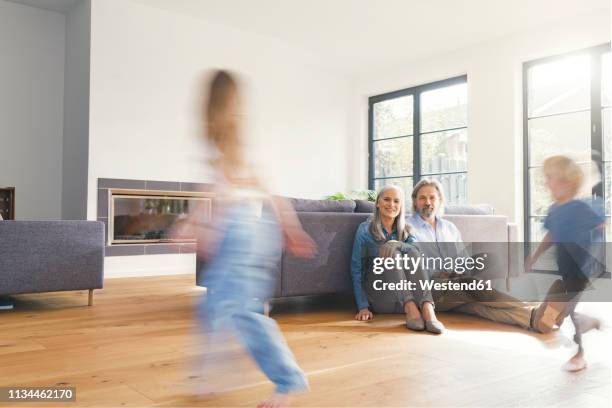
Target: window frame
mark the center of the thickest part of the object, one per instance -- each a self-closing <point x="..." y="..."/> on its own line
<point x="596" y="129"/>
<point x="415" y="92"/>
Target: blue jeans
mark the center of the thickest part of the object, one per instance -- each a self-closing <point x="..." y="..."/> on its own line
<point x="238" y="281"/>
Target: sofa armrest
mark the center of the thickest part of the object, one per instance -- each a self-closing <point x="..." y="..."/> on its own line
<point x="49" y="256"/>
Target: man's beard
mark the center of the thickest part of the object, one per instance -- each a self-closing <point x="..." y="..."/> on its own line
<point x="427" y="211"/>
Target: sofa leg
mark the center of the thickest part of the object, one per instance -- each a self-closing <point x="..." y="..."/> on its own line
<point x="90" y="298"/>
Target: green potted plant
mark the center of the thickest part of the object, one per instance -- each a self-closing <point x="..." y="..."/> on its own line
<point x="369" y="195"/>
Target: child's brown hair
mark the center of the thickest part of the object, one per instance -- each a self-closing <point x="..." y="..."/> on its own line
<point x="222" y="125"/>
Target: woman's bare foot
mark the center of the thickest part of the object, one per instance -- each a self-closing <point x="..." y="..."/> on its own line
<point x="575" y="363"/>
<point x="277" y="400"/>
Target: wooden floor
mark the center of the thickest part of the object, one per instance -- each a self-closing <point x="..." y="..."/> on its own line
<point x="137" y="346"/>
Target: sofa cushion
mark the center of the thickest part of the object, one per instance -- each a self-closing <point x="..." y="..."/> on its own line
<point x="307" y="205"/>
<point x="364" y="206"/>
<point x="481" y="228"/>
<point x="474" y="209"/>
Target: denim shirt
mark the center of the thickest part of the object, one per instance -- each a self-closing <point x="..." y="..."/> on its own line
<point x="366" y="247"/>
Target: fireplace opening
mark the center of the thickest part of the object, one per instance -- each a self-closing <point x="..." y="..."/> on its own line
<point x="142" y="216"/>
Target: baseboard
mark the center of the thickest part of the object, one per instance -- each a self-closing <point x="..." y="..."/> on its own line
<point x="149" y="265"/>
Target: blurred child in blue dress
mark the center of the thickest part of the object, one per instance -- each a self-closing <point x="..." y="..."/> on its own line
<point x="241" y="245"/>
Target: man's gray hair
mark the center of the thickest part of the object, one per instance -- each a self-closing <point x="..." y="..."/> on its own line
<point x="429" y="183"/>
<point x="376" y="228"/>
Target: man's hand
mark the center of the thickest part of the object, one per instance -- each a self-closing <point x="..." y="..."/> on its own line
<point x="364" y="315"/>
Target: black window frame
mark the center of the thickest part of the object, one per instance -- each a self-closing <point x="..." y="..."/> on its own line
<point x="416" y="92"/>
<point x="595" y="53"/>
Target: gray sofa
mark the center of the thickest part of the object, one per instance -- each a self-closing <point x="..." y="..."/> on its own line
<point x="332" y="225"/>
<point x="50" y="256"/>
<point x="329" y="271"/>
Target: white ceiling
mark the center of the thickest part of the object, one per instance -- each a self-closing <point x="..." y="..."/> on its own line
<point x="61" y="6"/>
<point x="373" y="33"/>
<point x="363" y="35"/>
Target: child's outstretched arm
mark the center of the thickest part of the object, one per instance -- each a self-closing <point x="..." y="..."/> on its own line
<point x="544" y="245"/>
<point x="297" y="241"/>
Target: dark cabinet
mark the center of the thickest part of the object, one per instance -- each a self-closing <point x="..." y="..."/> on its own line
<point x="7" y="203"/>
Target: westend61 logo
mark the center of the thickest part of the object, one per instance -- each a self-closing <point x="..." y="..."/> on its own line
<point x="460" y="264"/>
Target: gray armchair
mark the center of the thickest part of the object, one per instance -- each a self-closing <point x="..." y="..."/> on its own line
<point x="50" y="256"/>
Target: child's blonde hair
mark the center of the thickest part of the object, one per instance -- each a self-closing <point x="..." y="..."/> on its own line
<point x="566" y="169"/>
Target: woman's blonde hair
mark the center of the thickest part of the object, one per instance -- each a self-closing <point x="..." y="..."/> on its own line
<point x="564" y="168"/>
<point x="399" y="224"/>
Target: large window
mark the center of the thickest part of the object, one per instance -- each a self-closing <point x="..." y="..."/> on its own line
<point x="567" y="111"/>
<point x="421" y="132"/>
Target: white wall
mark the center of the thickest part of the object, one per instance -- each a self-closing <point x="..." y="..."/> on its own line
<point x="146" y="72"/>
<point x="31" y="108"/>
<point x="147" y="66"/>
<point x="495" y="124"/>
<point x="76" y="112"/>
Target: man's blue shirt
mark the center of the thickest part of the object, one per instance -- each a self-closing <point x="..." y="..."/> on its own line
<point x="443" y="241"/>
<point x="445" y="230"/>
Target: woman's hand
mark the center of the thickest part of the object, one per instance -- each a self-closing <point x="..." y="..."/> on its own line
<point x="388" y="248"/>
<point x="364" y="315"/>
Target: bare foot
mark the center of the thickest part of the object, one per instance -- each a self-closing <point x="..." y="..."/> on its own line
<point x="275" y="401"/>
<point x="586" y="323"/>
<point x="575" y="363"/>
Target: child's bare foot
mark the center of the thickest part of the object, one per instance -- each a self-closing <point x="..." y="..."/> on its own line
<point x="276" y="401"/>
<point x="575" y="363"/>
<point x="586" y="323"/>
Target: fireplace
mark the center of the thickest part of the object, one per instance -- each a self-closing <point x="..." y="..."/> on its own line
<point x="147" y="216"/>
